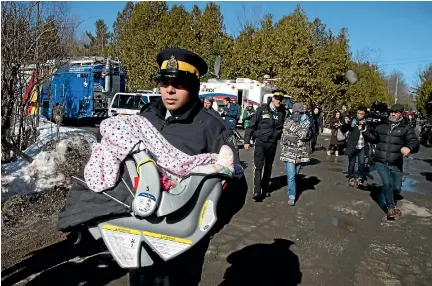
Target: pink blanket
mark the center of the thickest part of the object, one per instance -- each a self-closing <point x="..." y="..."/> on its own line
<point x="123" y="134"/>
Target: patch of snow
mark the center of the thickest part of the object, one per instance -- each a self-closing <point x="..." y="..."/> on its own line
<point x="409" y="208"/>
<point x="20" y="177"/>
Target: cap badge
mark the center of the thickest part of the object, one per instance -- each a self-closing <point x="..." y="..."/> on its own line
<point x="172" y="63"/>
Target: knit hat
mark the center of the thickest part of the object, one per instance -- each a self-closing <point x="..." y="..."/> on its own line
<point x="298" y="107"/>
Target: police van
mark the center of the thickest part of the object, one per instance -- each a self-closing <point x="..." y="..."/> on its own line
<point x="124" y="103"/>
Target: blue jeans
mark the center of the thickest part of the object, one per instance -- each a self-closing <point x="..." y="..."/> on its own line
<point x="391" y="177"/>
<point x="359" y="154"/>
<point x="292" y="170"/>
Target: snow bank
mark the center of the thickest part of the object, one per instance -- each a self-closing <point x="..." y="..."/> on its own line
<point x="52" y="163"/>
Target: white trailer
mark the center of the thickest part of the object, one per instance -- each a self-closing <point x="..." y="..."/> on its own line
<point x="241" y="90"/>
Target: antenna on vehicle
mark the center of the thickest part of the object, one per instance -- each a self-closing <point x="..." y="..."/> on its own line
<point x="216" y="67"/>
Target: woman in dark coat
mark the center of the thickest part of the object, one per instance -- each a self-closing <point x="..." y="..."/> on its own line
<point x="335" y="144"/>
<point x="318" y="127"/>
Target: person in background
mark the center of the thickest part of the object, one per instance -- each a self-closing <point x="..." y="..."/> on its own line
<point x="308" y="139"/>
<point x="208" y="102"/>
<point x="395" y="139"/>
<point x="318" y="127"/>
<point x="411" y="120"/>
<point x="294" y="150"/>
<point x="343" y="111"/>
<point x="208" y="105"/>
<point x="336" y="144"/>
<point x="266" y="127"/>
<point x="230" y="113"/>
<point x="248" y="114"/>
<point x="355" y="149"/>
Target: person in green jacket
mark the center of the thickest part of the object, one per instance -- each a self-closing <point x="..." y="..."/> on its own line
<point x="247" y="115"/>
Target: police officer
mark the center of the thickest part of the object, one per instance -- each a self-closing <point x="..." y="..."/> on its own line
<point x="180" y="117"/>
<point x="266" y="126"/>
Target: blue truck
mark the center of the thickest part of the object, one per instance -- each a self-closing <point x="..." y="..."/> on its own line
<point x="84" y="87"/>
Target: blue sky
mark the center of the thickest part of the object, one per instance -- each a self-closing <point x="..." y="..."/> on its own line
<point x="397" y="35"/>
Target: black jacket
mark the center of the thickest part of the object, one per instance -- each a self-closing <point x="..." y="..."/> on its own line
<point x="318" y="123"/>
<point x="266" y="124"/>
<point x="354" y="134"/>
<point x="389" y="139"/>
<point x="193" y="131"/>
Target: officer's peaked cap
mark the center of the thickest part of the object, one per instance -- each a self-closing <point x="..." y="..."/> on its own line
<point x="279" y="93"/>
<point x="175" y="62"/>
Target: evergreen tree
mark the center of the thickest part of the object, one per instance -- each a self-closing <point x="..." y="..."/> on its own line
<point x="98" y="44"/>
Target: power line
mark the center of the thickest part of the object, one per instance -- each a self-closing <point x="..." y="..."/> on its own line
<point x="406" y="59"/>
<point x="406" y="63"/>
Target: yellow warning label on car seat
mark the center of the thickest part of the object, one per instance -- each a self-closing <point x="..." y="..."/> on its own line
<point x="203" y="213"/>
<point x="121" y="229"/>
<point x="167" y="237"/>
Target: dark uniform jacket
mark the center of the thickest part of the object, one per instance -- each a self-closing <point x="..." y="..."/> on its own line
<point x="389" y="139"/>
<point x="266" y="124"/>
<point x="193" y="131"/>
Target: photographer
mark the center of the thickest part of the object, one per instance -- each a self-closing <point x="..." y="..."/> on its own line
<point x="355" y="149"/>
<point x="377" y="114"/>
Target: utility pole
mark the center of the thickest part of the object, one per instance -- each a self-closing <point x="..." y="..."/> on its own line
<point x="396" y="89"/>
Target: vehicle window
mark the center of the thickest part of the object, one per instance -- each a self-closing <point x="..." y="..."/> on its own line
<point x="141" y="103"/>
<point x="145" y="99"/>
<point x="126" y="101"/>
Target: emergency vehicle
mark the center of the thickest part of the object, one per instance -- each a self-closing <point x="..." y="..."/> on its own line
<point x="84" y="87"/>
<point x="242" y="91"/>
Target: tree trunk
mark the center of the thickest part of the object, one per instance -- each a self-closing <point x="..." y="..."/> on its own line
<point x="17" y="151"/>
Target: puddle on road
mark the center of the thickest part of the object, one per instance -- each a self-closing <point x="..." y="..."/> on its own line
<point x="343" y="224"/>
<point x="407" y="185"/>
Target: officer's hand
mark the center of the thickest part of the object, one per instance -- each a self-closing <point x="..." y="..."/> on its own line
<point x="246" y="146"/>
<point x="405" y="151"/>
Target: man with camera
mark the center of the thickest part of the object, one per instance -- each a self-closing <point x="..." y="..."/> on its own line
<point x="355" y="147"/>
